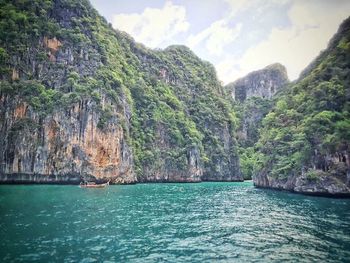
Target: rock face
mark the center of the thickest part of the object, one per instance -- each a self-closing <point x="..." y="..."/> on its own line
<point x="166" y="171"/>
<point x="66" y="146"/>
<point x="263" y="83"/>
<point x="202" y="98"/>
<point x="82" y="101"/>
<point x="58" y="121"/>
<point x="304" y="142"/>
<point x="252" y="113"/>
<point x="333" y="181"/>
<point x="252" y="97"/>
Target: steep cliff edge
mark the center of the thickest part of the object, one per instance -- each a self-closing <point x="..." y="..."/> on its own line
<point x="262" y="83"/>
<point x="64" y="115"/>
<point x="304" y="140"/>
<point x="80" y="100"/>
<point x="252" y="98"/>
<point x="208" y="118"/>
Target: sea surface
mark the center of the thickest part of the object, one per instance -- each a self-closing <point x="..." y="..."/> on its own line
<point x="203" y="222"/>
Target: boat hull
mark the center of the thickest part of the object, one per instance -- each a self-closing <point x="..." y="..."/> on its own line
<point x="94" y="185"/>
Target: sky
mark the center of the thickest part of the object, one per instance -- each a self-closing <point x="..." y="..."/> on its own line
<point x="237" y="36"/>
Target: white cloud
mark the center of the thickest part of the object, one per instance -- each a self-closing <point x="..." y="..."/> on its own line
<point x="313" y="24"/>
<point x="237" y="6"/>
<point x="218" y="35"/>
<point x="154" y="26"/>
<point x="227" y="70"/>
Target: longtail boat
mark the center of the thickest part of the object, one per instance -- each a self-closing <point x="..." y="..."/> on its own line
<point x="93" y="185"/>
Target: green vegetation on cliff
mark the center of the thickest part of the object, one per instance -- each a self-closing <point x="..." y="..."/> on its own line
<point x="60" y="56"/>
<point x="250" y="113"/>
<point x="253" y="98"/>
<point x="73" y="88"/>
<point x="308" y="130"/>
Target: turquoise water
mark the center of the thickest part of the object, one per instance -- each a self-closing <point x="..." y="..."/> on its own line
<point x="206" y="222"/>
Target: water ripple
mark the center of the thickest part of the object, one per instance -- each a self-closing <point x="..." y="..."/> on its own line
<point x="204" y="222"/>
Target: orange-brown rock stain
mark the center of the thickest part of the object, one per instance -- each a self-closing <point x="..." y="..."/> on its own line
<point x="103" y="146"/>
<point x="52" y="43"/>
<point x="20" y="111"/>
<point x="70" y="145"/>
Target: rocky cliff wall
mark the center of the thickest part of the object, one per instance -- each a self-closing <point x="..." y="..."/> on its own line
<point x="80" y="100"/>
<point x="67" y="145"/>
<point x="262" y="83"/>
<point x="252" y="97"/>
<point x="327" y="176"/>
<point x="304" y="140"/>
<point x="197" y="88"/>
<point x="61" y="121"/>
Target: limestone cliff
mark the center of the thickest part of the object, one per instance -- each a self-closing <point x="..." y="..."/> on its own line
<point x="304" y="140"/>
<point x="65" y="147"/>
<point x="194" y="83"/>
<point x="326" y="175"/>
<point x="80" y="100"/>
<point x="262" y="83"/>
<point x="60" y="121"/>
<point x="252" y="97"/>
